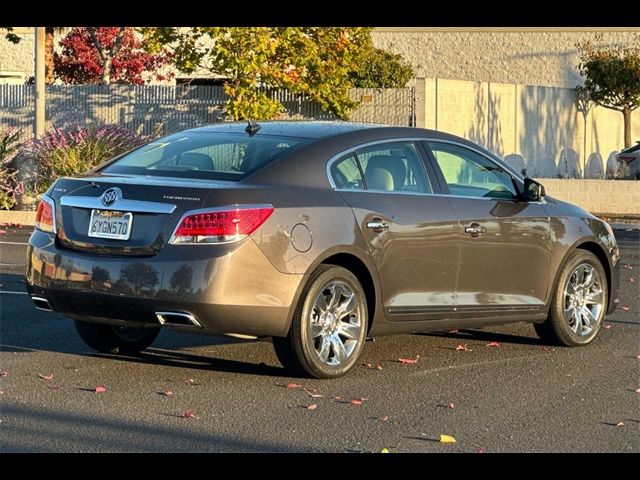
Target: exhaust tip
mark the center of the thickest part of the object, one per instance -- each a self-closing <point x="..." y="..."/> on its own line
<point x="42" y="304"/>
<point x="177" y="319"/>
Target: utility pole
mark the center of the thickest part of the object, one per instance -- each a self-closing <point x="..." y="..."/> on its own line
<point x="39" y="71"/>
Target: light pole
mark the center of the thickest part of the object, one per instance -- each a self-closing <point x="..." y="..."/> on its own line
<point x="39" y="72"/>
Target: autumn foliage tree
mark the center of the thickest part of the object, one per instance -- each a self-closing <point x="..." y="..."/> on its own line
<point x="612" y="78"/>
<point x="313" y="61"/>
<point x="104" y="55"/>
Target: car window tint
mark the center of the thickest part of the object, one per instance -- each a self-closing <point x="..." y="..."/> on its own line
<point x="196" y="154"/>
<point x="470" y="174"/>
<point x="394" y="167"/>
<point x="346" y="174"/>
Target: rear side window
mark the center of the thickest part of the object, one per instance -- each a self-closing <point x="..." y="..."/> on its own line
<point x="346" y="174"/>
<point x="207" y="155"/>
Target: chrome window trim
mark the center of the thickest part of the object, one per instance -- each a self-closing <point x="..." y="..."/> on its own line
<point x="120" y="205"/>
<point x="235" y="206"/>
<point x="350" y="150"/>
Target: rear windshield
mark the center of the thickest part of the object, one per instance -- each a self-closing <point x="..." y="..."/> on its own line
<point x="208" y="155"/>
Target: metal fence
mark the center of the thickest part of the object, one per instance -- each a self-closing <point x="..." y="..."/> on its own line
<point x="183" y="106"/>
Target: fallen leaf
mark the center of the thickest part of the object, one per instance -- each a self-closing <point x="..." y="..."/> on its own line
<point x="100" y="389"/>
<point x="620" y="424"/>
<point x="409" y="361"/>
<point x="544" y="349"/>
<point x="453" y="331"/>
<point x="46" y="377"/>
<point x="2" y="232"/>
<point x="607" y="326"/>
<point x="637" y="390"/>
<point x="461" y="347"/>
<point x="187" y="414"/>
<point x="447" y="439"/>
<point x="312" y="394"/>
<point x="293" y="385"/>
<point x="379" y="367"/>
<point x="356" y="401"/>
<point x="451" y="405"/>
<point x="340" y="398"/>
<point x="385" y="418"/>
<point x="193" y="381"/>
<point x="368" y="365"/>
<point x="637" y="356"/>
<point x="384" y="450"/>
<point x="165" y="393"/>
<point x="1" y="392"/>
<point x="631" y="280"/>
<point x="493" y="344"/>
<point x="4" y="374"/>
<point x="313" y="406"/>
<point x="626" y="309"/>
<point x="480" y="450"/>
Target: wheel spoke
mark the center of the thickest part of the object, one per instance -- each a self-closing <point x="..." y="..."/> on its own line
<point x="347" y="307"/>
<point x="587" y="276"/>
<point x="589" y="319"/>
<point x="336" y="292"/>
<point x="338" y="349"/>
<point x="323" y="351"/>
<point x="349" y="330"/>
<point x="316" y="329"/>
<point x="594" y="298"/>
<point x="577" y="322"/>
<point x="571" y="289"/>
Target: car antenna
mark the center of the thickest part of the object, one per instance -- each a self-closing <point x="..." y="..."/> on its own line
<point x="252" y="128"/>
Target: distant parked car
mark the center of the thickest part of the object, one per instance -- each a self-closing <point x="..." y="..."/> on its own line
<point x="629" y="163"/>
<point x="318" y="235"/>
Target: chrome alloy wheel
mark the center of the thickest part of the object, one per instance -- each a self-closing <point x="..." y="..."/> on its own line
<point x="336" y="323"/>
<point x="583" y="299"/>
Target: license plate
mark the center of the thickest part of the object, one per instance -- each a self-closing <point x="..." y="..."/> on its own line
<point x="108" y="224"/>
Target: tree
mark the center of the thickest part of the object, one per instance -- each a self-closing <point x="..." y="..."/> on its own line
<point x="308" y="60"/>
<point x="612" y="78"/>
<point x="10" y="36"/>
<point x="107" y="55"/>
<point x="381" y="69"/>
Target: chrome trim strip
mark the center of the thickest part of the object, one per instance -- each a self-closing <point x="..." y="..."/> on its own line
<point x="191" y="318"/>
<point x="464" y="309"/>
<point x="237" y="206"/>
<point x="120" y="205"/>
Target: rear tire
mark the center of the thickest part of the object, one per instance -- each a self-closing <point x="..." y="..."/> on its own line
<point x="116" y="340"/>
<point x="579" y="303"/>
<point x="329" y="326"/>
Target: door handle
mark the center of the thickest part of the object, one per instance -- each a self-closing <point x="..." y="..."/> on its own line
<point x="475" y="229"/>
<point x="377" y="225"/>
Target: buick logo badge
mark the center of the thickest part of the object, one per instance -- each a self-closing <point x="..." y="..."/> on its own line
<point x="110" y="196"/>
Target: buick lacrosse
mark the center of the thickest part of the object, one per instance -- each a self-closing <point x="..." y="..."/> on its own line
<point x="318" y="234"/>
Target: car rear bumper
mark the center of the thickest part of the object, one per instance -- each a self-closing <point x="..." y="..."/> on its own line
<point x="228" y="288"/>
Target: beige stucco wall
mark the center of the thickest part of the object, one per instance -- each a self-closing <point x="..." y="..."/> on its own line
<point x="524" y="57"/>
<point x="536" y="127"/>
<point x="597" y="196"/>
<point x="17" y="58"/>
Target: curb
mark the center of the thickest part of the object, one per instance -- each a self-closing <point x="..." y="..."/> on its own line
<point x="18" y="216"/>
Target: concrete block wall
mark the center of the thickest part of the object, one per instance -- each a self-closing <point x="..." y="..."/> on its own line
<point x="614" y="197"/>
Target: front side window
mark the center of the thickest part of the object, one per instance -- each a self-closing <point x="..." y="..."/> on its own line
<point x="206" y="155"/>
<point x="469" y="174"/>
<point x="394" y="167"/>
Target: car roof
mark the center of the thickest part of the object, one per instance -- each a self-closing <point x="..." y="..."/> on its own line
<point x="301" y="129"/>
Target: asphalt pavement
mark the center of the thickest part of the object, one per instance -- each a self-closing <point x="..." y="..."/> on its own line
<point x="197" y="393"/>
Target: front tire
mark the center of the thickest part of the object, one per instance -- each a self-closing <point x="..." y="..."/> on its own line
<point x="329" y="326"/>
<point x="117" y="340"/>
<point x="579" y="303"/>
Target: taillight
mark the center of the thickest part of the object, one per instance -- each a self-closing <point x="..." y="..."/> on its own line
<point x="220" y="225"/>
<point x="45" y="215"/>
<point x="626" y="160"/>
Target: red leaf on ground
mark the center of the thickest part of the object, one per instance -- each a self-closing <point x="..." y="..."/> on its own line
<point x="187" y="414"/>
<point x="626" y="309"/>
<point x="46" y="377"/>
<point x="385" y="418"/>
<point x="637" y="390"/>
<point x="293" y="385"/>
<point x="378" y="367"/>
<point x="451" y="405"/>
<point x="620" y="424"/>
<point x="638" y="356"/>
<point x="631" y="280"/>
<point x="493" y="344"/>
<point x="453" y="331"/>
<point x="193" y="381"/>
<point x="607" y="326"/>
<point x="2" y="232"/>
<point x="165" y="393"/>
<point x="409" y="361"/>
<point x="544" y="349"/>
<point x="356" y="401"/>
<point x="312" y="394"/>
<point x="313" y="406"/>
<point x="4" y="374"/>
<point x="1" y="392"/>
<point x="480" y="450"/>
<point x="337" y="398"/>
<point x="464" y="348"/>
<point x="370" y="365"/>
<point x="100" y="389"/>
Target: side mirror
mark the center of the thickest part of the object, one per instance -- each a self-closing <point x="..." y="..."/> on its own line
<point x="533" y="191"/>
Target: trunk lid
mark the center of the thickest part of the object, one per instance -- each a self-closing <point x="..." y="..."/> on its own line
<point x="156" y="205"/>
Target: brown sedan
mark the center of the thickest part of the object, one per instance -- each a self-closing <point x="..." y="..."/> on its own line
<point x="318" y="235"/>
